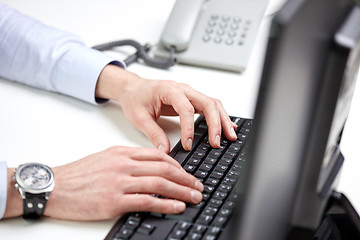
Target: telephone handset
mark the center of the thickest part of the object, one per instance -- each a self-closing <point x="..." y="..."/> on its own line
<point x="178" y="30"/>
<point x="212" y="33"/>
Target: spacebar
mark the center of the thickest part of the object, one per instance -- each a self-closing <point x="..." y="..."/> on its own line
<point x="162" y="229"/>
<point x="182" y="154"/>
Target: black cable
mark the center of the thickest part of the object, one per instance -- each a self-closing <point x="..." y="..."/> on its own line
<point x="141" y="53"/>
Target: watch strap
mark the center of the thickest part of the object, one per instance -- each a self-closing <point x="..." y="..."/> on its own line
<point x="34" y="205"/>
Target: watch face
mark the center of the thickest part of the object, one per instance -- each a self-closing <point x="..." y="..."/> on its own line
<point x="35" y="176"/>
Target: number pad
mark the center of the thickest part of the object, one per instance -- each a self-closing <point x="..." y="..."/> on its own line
<point x="227" y="30"/>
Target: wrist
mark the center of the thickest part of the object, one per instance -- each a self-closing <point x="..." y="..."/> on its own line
<point x="113" y="82"/>
<point x="14" y="203"/>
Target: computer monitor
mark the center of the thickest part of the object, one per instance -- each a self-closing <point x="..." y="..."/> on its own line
<point x="308" y="80"/>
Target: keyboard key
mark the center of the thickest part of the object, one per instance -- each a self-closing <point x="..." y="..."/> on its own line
<point x="234" y="147"/>
<point x="198" y="229"/>
<point x="188" y="215"/>
<point x="216" y="175"/>
<point x="132" y="223"/>
<point x="206" y="196"/>
<point x="216" y="203"/>
<point x="205" y="167"/>
<point x="193" y="236"/>
<point x="221" y="168"/>
<point x="204" y="219"/>
<point x="193" y="161"/>
<point x="124" y="233"/>
<point x="201" y="174"/>
<point x="212" y="182"/>
<point x="219" y="221"/>
<point x="210" y="160"/>
<point x="177" y="234"/>
<point x="204" y="147"/>
<point x="229" y="181"/>
<point x="220" y="195"/>
<point x="199" y="154"/>
<point x="225" y="161"/>
<point x="214" y="231"/>
<point x="181" y="156"/>
<point x="230" y="155"/>
<point x="225" y="213"/>
<point x="183" y="226"/>
<point x="238" y="121"/>
<point x="210" y="211"/>
<point x="208" y="189"/>
<point x="146" y="228"/>
<point x="189" y="168"/>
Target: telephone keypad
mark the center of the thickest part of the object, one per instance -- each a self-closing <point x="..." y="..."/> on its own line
<point x="226" y="29"/>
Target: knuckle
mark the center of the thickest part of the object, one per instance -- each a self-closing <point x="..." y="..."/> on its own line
<point x="189" y="108"/>
<point x="185" y="85"/>
<point x="143" y="203"/>
<point x="166" y="169"/>
<point x="212" y="103"/>
<point x="153" y="134"/>
<point x="171" y="85"/>
<point x="217" y="102"/>
<point x="116" y="150"/>
<point x="159" y="183"/>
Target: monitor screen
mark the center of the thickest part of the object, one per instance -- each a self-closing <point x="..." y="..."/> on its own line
<point x="305" y="92"/>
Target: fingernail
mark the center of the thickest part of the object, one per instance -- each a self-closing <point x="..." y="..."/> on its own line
<point x="232" y="132"/>
<point x="196" y="196"/>
<point x="199" y="186"/>
<point x="189" y="143"/>
<point x="179" y="206"/>
<point x="217" y="140"/>
<point x="161" y="148"/>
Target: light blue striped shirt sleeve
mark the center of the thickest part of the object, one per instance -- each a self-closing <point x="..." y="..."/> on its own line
<point x="3" y="188"/>
<point x="38" y="55"/>
<point x="44" y="57"/>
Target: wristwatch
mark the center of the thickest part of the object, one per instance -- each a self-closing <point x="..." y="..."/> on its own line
<point x="35" y="182"/>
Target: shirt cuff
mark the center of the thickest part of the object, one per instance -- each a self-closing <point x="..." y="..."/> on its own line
<point x="3" y="188"/>
<point x="77" y="73"/>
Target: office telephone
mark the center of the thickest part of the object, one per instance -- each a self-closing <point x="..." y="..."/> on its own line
<point x="212" y="33"/>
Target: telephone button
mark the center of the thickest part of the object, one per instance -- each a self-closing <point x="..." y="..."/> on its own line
<point x="218" y="40"/>
<point x="206" y="38"/>
<point x="220" y="32"/>
<point x="232" y="34"/>
<point x="211" y="23"/>
<point x="237" y="19"/>
<point x="229" y="41"/>
<point x="209" y="30"/>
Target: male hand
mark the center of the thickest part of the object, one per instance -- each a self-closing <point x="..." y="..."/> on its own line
<point x="143" y="101"/>
<point x="113" y="182"/>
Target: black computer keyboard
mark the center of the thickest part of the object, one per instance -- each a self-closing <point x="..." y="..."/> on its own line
<point x="219" y="170"/>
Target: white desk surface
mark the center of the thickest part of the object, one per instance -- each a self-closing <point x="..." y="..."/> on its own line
<point x="47" y="127"/>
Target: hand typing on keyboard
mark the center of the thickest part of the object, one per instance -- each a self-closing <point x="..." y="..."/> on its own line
<point x="118" y="180"/>
<point x="144" y="100"/>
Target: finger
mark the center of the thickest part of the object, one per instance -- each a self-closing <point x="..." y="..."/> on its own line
<point x="209" y="107"/>
<point x="228" y="127"/>
<point x="163" y="187"/>
<point x="155" y="133"/>
<point x="185" y="110"/>
<point x="148" y="203"/>
<point x="145" y="154"/>
<point x="161" y="169"/>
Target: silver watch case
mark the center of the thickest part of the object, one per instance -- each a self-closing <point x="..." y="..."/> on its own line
<point x="23" y="188"/>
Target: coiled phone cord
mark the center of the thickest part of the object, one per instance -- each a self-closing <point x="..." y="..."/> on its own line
<point x="141" y="53"/>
